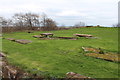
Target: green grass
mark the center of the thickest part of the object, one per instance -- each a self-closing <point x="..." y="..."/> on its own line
<point x="57" y="57"/>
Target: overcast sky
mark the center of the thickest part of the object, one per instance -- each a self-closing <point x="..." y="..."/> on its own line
<point x="67" y="12"/>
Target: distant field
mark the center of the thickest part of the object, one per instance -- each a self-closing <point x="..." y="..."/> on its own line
<point x="57" y="57"/>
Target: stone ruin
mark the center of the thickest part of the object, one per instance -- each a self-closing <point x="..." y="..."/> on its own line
<point x="72" y="75"/>
<point x="21" y="41"/>
<point x="37" y="36"/>
<point x="100" y="54"/>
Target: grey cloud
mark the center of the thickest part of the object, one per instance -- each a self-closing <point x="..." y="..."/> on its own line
<point x="94" y="12"/>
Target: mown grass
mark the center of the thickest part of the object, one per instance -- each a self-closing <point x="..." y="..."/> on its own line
<point x="57" y="57"/>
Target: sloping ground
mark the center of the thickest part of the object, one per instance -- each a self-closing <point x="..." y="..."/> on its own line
<point x="57" y="57"/>
<point x="10" y="72"/>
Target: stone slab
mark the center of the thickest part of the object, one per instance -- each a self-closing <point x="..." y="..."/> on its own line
<point x="83" y="35"/>
<point x="77" y="76"/>
<point x="11" y="39"/>
<point x="37" y="36"/>
<point x="22" y="41"/>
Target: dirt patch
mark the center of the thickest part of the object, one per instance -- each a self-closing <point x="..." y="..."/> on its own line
<point x="22" y="41"/>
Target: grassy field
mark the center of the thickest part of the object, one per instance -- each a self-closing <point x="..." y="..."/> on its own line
<point x="57" y="57"/>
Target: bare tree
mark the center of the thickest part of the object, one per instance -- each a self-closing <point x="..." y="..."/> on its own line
<point x="43" y="19"/>
<point x="18" y="19"/>
<point x="5" y="22"/>
<point x="80" y="24"/>
<point x="32" y="19"/>
<point x="50" y="24"/>
<point x="26" y="20"/>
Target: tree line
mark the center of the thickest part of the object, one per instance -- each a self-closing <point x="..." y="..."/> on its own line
<point x="28" y="20"/>
<point x="32" y="20"/>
